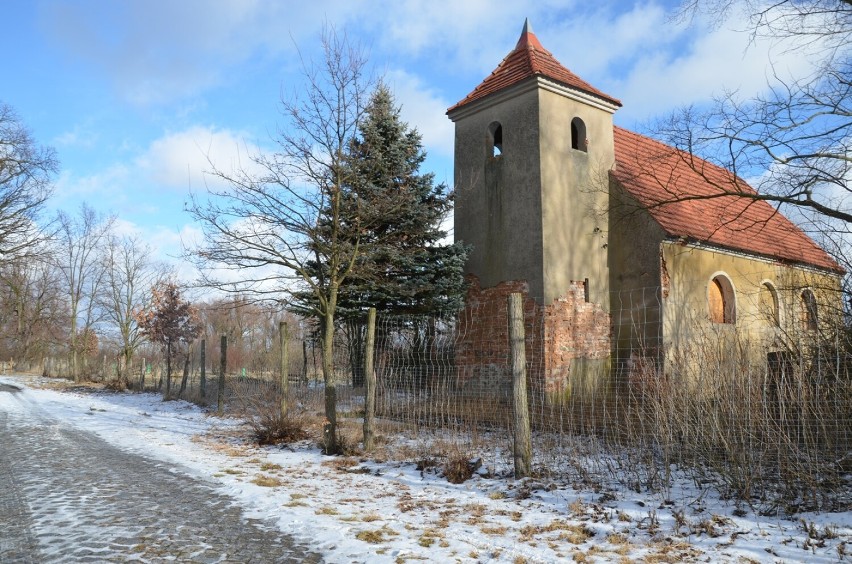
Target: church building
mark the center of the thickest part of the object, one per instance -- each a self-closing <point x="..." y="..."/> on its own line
<point x="627" y="251"/>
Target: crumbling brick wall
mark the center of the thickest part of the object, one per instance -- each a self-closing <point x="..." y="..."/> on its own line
<point x="577" y="344"/>
<point x="567" y="341"/>
<point x="482" y="349"/>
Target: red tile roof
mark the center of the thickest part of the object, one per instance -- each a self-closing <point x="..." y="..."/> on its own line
<point x="529" y="59"/>
<point x="690" y="197"/>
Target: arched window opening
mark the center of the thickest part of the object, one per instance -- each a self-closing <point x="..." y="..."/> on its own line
<point x="495" y="139"/>
<point x="720" y="300"/>
<point x="578" y="135"/>
<point x="809" y="311"/>
<point x="768" y="304"/>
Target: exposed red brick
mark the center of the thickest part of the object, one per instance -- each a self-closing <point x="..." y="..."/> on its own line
<point x="569" y="328"/>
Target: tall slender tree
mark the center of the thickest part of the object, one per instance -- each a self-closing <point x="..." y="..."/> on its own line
<point x="26" y="170"/>
<point x="79" y="243"/>
<point x="284" y="212"/>
<point x="129" y="275"/>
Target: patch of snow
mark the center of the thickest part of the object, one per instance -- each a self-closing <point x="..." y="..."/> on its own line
<point x="358" y="510"/>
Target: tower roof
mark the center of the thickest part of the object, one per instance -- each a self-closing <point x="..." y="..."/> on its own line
<point x="529" y="58"/>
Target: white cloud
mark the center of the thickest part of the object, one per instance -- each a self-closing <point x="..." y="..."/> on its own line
<point x="182" y="160"/>
<point x="423" y="108"/>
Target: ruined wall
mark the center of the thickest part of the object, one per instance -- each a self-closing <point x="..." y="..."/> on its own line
<point x="577" y="345"/>
<point x="482" y="348"/>
<point x="567" y="342"/>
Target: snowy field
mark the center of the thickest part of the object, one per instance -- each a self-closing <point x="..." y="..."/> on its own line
<point x="353" y="510"/>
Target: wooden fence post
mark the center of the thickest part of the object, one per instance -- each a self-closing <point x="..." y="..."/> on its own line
<point x="285" y="367"/>
<point x="517" y="345"/>
<point x="220" y="403"/>
<point x="203" y="383"/>
<point x="369" y="380"/>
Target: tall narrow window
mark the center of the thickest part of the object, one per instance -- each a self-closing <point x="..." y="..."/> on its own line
<point x="720" y="300"/>
<point x="809" y="310"/>
<point x="768" y="304"/>
<point x="578" y="135"/>
<point x="495" y="139"/>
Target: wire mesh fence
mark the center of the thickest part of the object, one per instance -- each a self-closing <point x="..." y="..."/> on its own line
<point x="761" y="414"/>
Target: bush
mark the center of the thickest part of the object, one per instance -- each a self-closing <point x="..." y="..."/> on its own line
<point x="459" y="468"/>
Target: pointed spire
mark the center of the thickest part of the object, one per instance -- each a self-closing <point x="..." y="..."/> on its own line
<point x="528" y="39"/>
<point x="529" y="58"/>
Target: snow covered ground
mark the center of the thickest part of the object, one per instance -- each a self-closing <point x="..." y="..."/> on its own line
<point x="352" y="510"/>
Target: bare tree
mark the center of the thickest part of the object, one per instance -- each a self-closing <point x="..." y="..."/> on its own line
<point x="280" y="219"/>
<point x="795" y="141"/>
<point x="129" y="275"/>
<point x="25" y="184"/>
<point x="80" y="239"/>
<point x="31" y="310"/>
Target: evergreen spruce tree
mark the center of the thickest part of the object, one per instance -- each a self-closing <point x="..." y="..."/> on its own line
<point x="396" y="212"/>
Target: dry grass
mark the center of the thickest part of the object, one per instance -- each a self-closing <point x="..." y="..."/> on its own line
<point x="569" y="532"/>
<point x="459" y="468"/>
<point x="376" y="536"/>
<point x="267" y="481"/>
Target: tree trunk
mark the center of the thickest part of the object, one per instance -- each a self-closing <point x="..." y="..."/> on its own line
<point x="223" y="363"/>
<point x="168" y="366"/>
<point x="203" y="383"/>
<point x="285" y="368"/>
<point x="185" y="375"/>
<point x="330" y="428"/>
<point x="304" y="361"/>
<point x="75" y="372"/>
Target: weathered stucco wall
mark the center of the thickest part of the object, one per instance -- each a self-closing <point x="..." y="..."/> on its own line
<point x="574" y="195"/>
<point x="756" y="329"/>
<point x="498" y="205"/>
<point x="635" y="280"/>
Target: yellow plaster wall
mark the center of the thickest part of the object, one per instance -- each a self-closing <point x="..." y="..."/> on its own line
<point x="689" y="270"/>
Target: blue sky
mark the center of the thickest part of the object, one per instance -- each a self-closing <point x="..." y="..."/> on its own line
<point x="134" y="94"/>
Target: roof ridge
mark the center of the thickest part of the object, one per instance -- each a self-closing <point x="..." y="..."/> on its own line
<point x="688" y="196"/>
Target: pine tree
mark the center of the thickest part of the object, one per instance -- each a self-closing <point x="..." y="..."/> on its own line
<point x="395" y="212"/>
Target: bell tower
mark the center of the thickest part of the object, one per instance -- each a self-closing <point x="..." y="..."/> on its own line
<point x="533" y="149"/>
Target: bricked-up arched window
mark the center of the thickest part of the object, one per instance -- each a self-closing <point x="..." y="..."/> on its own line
<point x="768" y="303"/>
<point x="720" y="300"/>
<point x="495" y="139"/>
<point x="809" y="310"/>
<point x="578" y="135"/>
